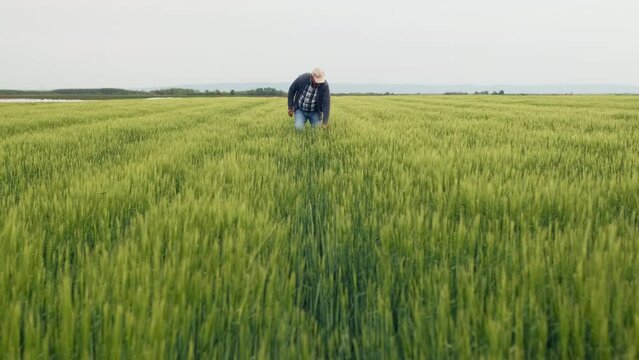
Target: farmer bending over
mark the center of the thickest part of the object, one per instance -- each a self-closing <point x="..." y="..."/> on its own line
<point x="309" y="96"/>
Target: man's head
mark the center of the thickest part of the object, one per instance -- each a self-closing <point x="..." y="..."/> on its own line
<point x="317" y="77"/>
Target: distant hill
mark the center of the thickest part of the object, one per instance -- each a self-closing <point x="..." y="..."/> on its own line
<point x="435" y="89"/>
<point x="85" y="94"/>
<point x="113" y="93"/>
<point x="280" y="89"/>
<point x="99" y="91"/>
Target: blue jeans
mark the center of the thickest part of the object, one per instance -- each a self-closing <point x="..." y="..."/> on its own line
<point x="302" y="116"/>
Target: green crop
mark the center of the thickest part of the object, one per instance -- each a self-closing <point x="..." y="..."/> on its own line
<point x="414" y="227"/>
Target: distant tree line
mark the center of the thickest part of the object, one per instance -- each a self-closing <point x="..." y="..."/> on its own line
<point x="112" y="93"/>
<point x="101" y="91"/>
<point x="361" y="94"/>
<point x="191" y="92"/>
<point x="500" y="92"/>
<point x="81" y="94"/>
<point x="455" y="93"/>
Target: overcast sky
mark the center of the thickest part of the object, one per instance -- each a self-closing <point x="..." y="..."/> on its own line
<point x="147" y="43"/>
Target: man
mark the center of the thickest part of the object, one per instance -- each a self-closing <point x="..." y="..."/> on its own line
<point x="308" y="98"/>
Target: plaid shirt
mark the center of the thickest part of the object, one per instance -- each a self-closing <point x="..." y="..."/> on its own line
<point x="308" y="100"/>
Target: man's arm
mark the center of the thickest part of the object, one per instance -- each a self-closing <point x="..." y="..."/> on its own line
<point x="291" y="92"/>
<point x="326" y="104"/>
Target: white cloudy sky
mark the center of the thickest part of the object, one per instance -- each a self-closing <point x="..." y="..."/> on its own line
<point x="144" y="43"/>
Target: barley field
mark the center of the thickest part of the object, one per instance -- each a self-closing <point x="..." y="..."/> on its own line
<point x="414" y="227"/>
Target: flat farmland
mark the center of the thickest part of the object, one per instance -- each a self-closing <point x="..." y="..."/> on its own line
<point x="413" y="227"/>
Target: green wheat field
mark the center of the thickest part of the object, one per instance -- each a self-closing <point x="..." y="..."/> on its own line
<point x="414" y="227"/>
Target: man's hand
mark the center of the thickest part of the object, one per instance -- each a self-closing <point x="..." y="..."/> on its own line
<point x="290" y="112"/>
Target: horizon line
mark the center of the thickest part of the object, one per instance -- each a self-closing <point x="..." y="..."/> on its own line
<point x="425" y="85"/>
